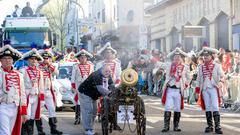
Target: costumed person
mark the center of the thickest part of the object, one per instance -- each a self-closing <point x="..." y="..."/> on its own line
<point x="80" y="72"/>
<point x="70" y="57"/>
<point x="109" y="55"/>
<point x="208" y="77"/>
<point x="33" y="81"/>
<point x="96" y="85"/>
<point x="177" y="80"/>
<point x="13" y="101"/>
<point x="49" y="96"/>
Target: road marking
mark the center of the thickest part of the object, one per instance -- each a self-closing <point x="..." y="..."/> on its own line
<point x="187" y="117"/>
<point x="236" y="129"/>
<point x="44" y="117"/>
<point x="149" y="127"/>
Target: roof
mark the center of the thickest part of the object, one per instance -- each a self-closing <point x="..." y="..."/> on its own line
<point x="156" y="6"/>
<point x="21" y="23"/>
<point x="67" y="64"/>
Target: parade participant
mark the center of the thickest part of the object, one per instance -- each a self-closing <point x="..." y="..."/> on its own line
<point x="109" y="55"/>
<point x="177" y="79"/>
<point x="91" y="89"/>
<point x="50" y="100"/>
<point x="70" y="57"/>
<point x="208" y="78"/>
<point x="27" y="11"/>
<point x="33" y="81"/>
<point x="110" y="59"/>
<point x="13" y="107"/>
<point x="17" y="11"/>
<point x="80" y="72"/>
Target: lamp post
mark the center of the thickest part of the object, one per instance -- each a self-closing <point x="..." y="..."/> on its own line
<point x="77" y="26"/>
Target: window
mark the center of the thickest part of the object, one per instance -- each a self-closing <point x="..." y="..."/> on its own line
<point x="146" y="5"/>
<point x="103" y="16"/>
<point x="98" y="15"/>
<point x="130" y="15"/>
<point x="114" y="12"/>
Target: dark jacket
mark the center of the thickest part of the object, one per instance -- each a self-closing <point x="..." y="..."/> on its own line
<point x="27" y="11"/>
<point x="89" y="86"/>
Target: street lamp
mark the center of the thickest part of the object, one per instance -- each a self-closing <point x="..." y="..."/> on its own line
<point x="80" y="6"/>
<point x="75" y="2"/>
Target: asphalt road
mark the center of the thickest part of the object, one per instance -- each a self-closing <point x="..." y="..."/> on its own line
<point x="192" y="121"/>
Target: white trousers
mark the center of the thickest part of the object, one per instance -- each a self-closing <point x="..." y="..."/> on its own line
<point x="8" y="114"/>
<point x="210" y="97"/>
<point x="50" y="106"/>
<point x="173" y="99"/>
<point x="32" y="106"/>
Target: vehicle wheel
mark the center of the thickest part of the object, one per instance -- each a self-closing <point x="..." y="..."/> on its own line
<point x="73" y="108"/>
<point x="104" y="116"/>
<point x="140" y="116"/>
<point x="59" y="109"/>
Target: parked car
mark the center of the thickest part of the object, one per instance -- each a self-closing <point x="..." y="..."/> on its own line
<point x="62" y="84"/>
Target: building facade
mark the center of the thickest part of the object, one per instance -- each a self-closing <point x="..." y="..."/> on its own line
<point x="123" y="22"/>
<point x="77" y="11"/>
<point x="236" y="24"/>
<point x="168" y="17"/>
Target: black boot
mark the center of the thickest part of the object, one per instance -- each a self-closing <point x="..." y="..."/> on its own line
<point x="24" y="130"/>
<point x="209" y="122"/>
<point x="53" y="127"/>
<point x="167" y="117"/>
<point x="39" y="127"/>
<point x="77" y="115"/>
<point x="216" y="116"/>
<point x="176" y="120"/>
<point x="30" y="126"/>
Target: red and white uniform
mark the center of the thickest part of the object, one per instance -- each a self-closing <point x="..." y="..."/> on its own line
<point x="208" y="78"/>
<point x="177" y="76"/>
<point x="116" y="69"/>
<point x="33" y="81"/>
<point x="80" y="72"/>
<point x="50" y="99"/>
<point x="12" y="102"/>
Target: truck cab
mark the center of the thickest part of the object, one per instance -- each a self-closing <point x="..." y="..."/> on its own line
<point x="23" y="32"/>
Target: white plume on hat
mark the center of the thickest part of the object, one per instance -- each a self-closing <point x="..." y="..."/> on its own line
<point x="8" y="50"/>
<point x="177" y="51"/>
<point x="208" y="49"/>
<point x="83" y="51"/>
<point x="107" y="46"/>
<point x="32" y="53"/>
<point x="46" y="51"/>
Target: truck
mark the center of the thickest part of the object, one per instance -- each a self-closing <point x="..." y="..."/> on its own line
<point x="23" y="32"/>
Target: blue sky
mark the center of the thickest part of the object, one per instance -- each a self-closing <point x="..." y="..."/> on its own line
<point x="7" y="6"/>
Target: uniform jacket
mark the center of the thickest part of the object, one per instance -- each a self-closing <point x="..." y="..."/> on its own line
<point x="217" y="74"/>
<point x="116" y="69"/>
<point x="80" y="73"/>
<point x="48" y="72"/>
<point x="33" y="81"/>
<point x="12" y="90"/>
<point x="184" y="81"/>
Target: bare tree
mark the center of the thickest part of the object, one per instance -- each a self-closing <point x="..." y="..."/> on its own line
<point x="41" y="6"/>
<point x="56" y="12"/>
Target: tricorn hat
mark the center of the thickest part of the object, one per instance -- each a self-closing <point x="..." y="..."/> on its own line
<point x="32" y="53"/>
<point x="7" y="50"/>
<point x="107" y="47"/>
<point x="177" y="51"/>
<point x="208" y="51"/>
<point x="83" y="52"/>
<point x="46" y="53"/>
